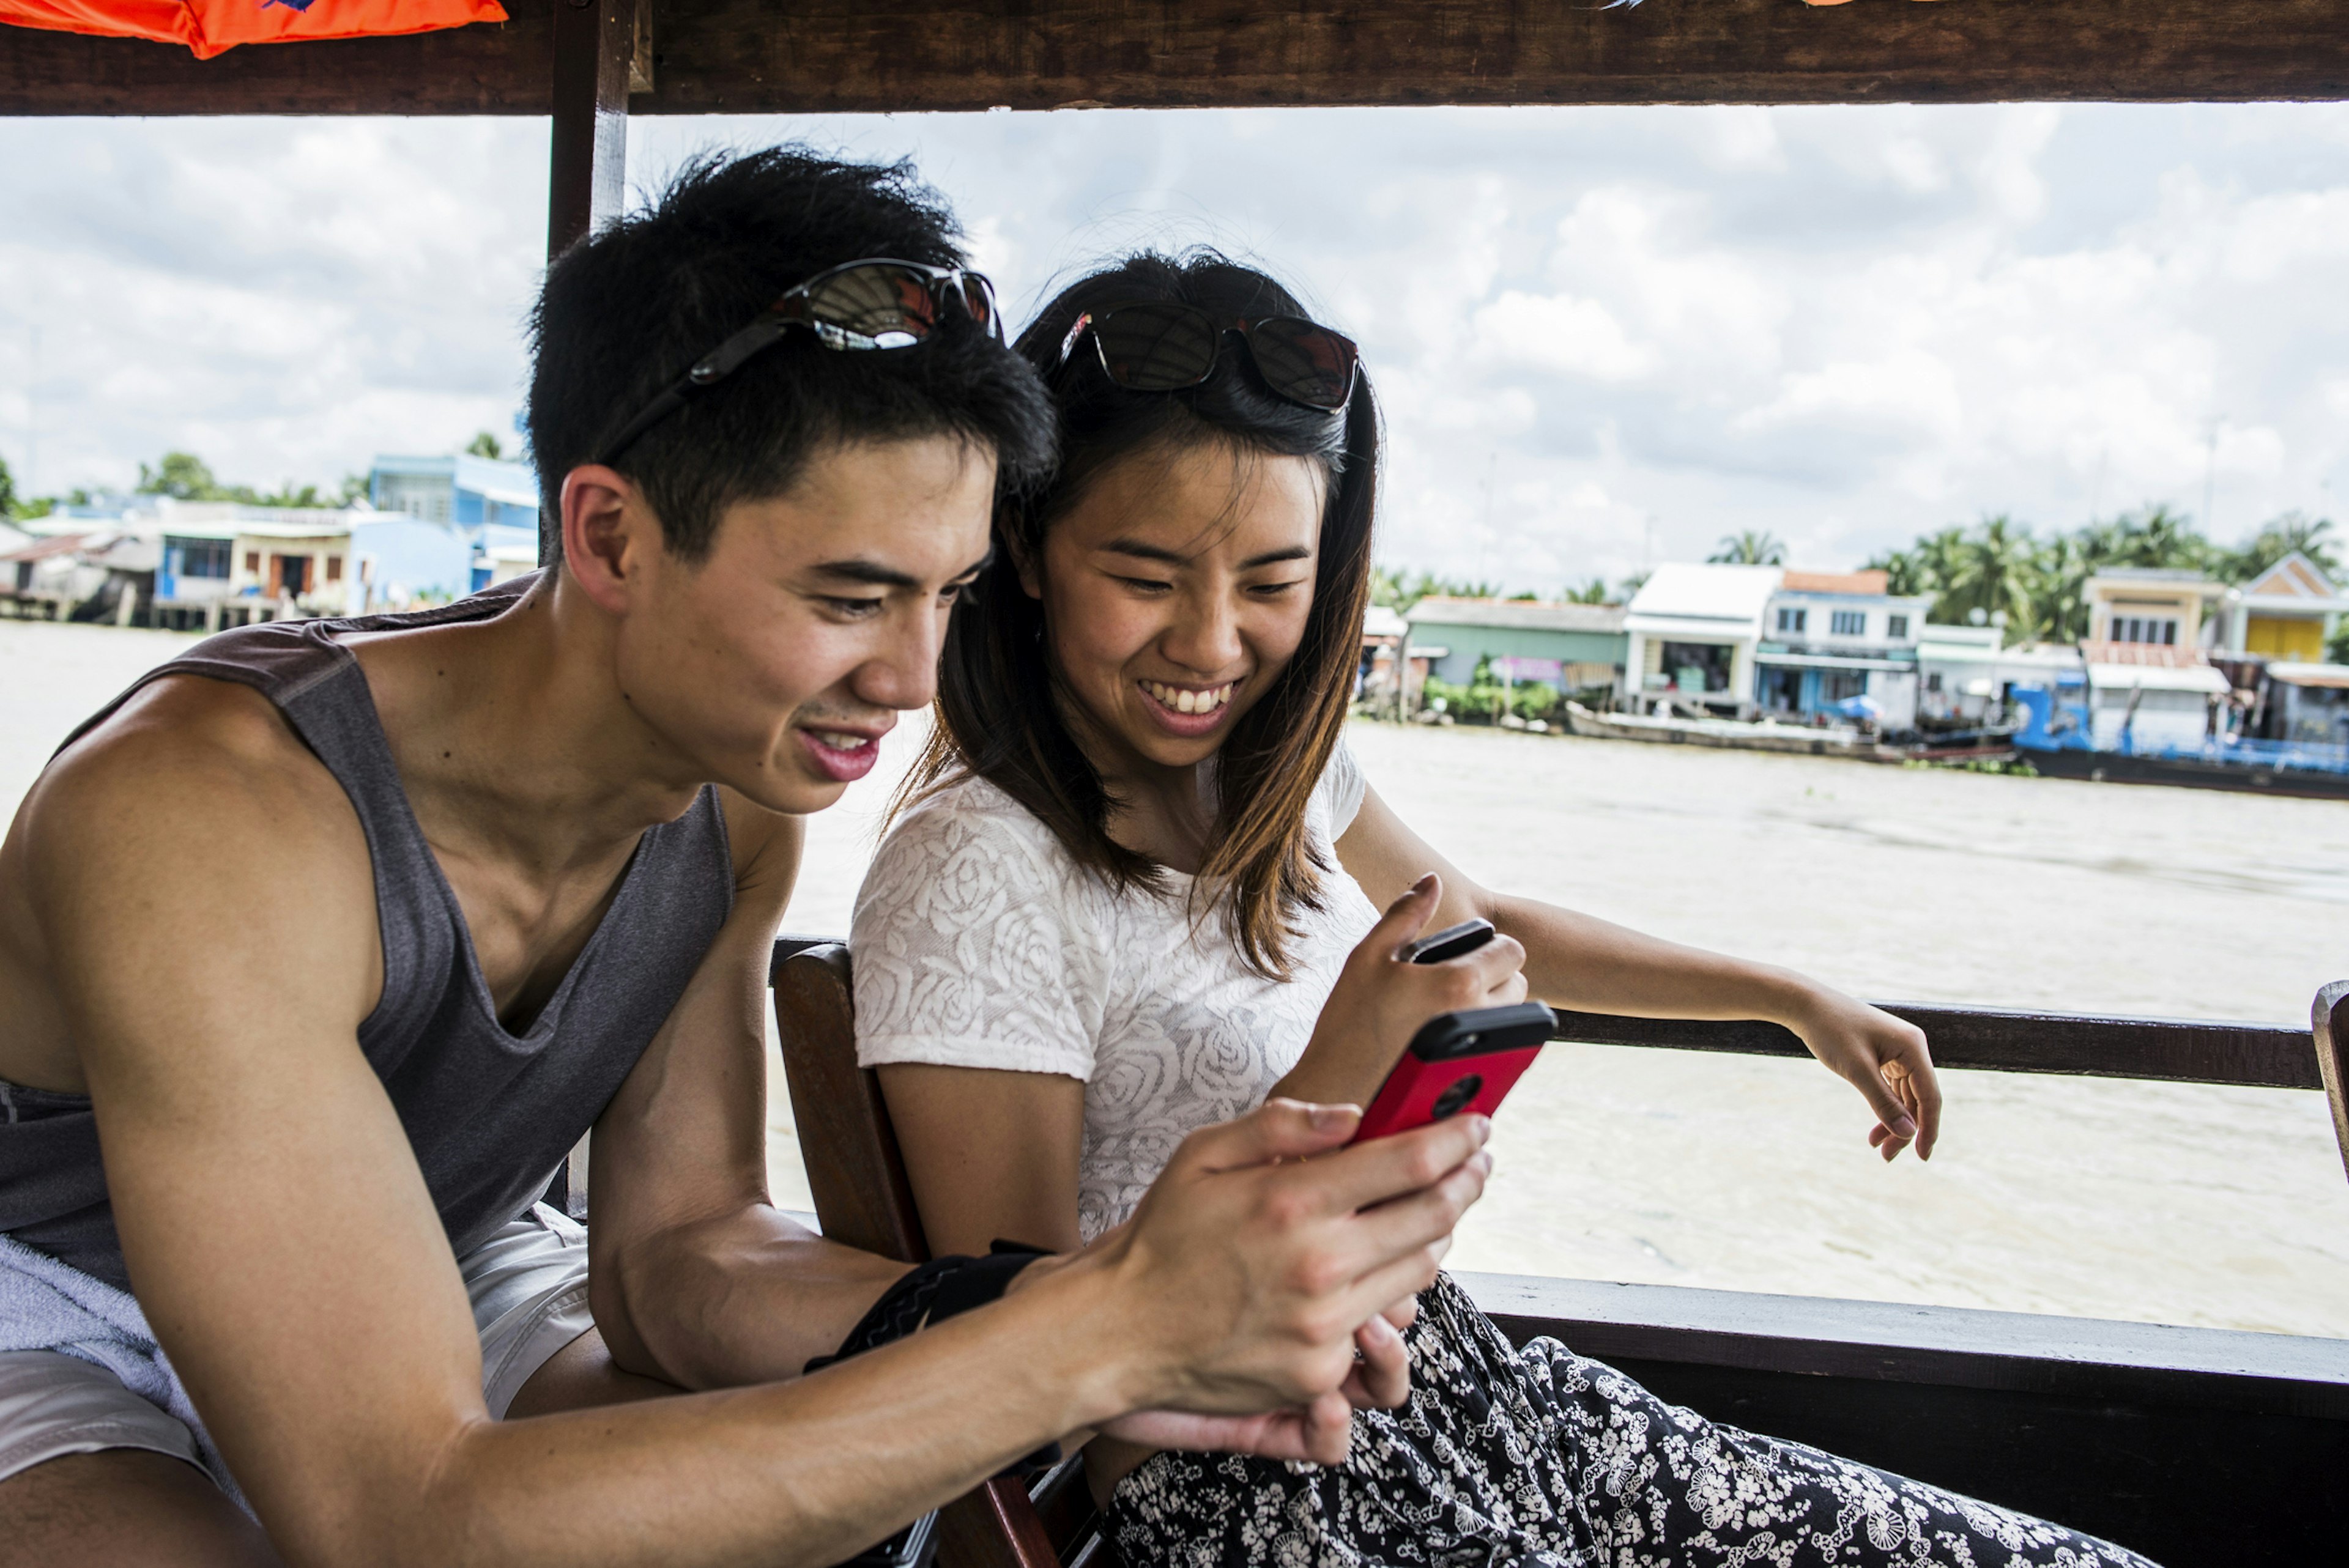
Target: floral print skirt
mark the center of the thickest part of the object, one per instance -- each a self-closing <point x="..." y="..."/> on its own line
<point x="1542" y="1457"/>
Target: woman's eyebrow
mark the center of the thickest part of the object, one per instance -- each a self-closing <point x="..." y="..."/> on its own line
<point x="1143" y="552"/>
<point x="1294" y="552"/>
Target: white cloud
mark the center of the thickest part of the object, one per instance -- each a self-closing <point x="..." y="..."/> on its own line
<point x="1649" y="327"/>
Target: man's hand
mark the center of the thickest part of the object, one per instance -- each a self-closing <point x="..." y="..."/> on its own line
<point x="1251" y="1274"/>
<point x="1883" y="1058"/>
<point x="1319" y="1431"/>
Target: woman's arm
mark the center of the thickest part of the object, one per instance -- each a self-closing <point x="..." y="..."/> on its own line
<point x="991" y="1155"/>
<point x="1595" y="967"/>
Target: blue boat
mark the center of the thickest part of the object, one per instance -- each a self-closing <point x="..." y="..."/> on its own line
<point x="2059" y="738"/>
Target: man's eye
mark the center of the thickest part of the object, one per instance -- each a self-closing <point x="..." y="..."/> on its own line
<point x="854" y="609"/>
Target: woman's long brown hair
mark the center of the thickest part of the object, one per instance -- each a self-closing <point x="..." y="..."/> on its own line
<point x="999" y="706"/>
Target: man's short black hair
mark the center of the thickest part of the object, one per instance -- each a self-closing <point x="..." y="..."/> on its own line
<point x="627" y="309"/>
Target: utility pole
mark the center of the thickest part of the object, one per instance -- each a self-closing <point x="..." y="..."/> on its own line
<point x="2211" y="477"/>
<point x="32" y="416"/>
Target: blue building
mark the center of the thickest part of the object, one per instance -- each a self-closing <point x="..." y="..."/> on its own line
<point x="487" y="503"/>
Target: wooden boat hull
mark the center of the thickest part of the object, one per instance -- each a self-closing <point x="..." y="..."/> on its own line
<point x="1729" y="734"/>
<point x="2113" y="767"/>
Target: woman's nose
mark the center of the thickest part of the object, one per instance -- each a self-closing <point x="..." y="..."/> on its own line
<point x="1205" y="637"/>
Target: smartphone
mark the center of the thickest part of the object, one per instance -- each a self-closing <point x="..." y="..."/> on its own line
<point x="1462" y="1061"/>
<point x="1449" y="943"/>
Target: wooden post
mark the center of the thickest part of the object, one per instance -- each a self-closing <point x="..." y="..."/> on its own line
<point x="2329" y="1017"/>
<point x="594" y="41"/>
<point x="595" y="44"/>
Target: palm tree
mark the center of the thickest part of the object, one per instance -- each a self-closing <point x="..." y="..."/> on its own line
<point x="2280" y="537"/>
<point x="1594" y="591"/>
<point x="1749" y="547"/>
<point x="1991" y="571"/>
<point x="2154" y="536"/>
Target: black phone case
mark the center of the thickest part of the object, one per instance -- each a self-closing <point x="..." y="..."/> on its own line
<point x="1451" y="942"/>
<point x="1478" y="1030"/>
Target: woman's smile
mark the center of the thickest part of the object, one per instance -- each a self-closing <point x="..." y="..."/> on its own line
<point x="1186" y="711"/>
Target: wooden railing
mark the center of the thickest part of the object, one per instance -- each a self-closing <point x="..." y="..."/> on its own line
<point x="2025" y="1040"/>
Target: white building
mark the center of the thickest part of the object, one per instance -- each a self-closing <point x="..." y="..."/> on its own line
<point x="1763" y="639"/>
<point x="1965" y="676"/>
<point x="1831" y="637"/>
<point x="1691" y="635"/>
<point x="2157" y="694"/>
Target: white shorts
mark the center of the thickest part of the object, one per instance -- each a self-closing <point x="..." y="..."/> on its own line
<point x="529" y="1288"/>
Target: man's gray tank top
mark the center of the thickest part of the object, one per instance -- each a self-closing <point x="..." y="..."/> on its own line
<point x="490" y="1114"/>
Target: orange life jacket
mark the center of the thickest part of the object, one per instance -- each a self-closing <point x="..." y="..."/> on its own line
<point x="211" y="27"/>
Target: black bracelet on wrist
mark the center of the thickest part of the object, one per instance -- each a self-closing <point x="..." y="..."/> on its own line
<point x="932" y="1292"/>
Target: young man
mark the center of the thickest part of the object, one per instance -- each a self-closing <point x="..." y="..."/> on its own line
<point x="336" y="935"/>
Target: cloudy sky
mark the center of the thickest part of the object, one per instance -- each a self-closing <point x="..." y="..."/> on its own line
<point x="1604" y="337"/>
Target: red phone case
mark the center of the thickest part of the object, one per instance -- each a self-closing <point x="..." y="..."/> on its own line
<point x="1421" y="1090"/>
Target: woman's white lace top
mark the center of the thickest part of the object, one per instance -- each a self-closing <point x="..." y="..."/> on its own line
<point x="978" y="943"/>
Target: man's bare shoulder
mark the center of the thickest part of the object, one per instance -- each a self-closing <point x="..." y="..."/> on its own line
<point x="189" y="752"/>
<point x="192" y="839"/>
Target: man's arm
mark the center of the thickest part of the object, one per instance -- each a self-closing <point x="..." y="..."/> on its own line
<point x="694" y="1277"/>
<point x="290" y="1260"/>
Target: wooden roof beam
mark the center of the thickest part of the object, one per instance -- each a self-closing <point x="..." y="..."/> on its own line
<point x="833" y="56"/>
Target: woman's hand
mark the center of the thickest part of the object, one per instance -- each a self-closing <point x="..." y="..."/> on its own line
<point x="1318" y="1431"/>
<point x="1884" y="1058"/>
<point x="1381" y="999"/>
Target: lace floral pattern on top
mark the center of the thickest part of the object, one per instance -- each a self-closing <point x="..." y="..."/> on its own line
<point x="979" y="942"/>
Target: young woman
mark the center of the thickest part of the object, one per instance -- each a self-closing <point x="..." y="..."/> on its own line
<point x="1130" y="897"/>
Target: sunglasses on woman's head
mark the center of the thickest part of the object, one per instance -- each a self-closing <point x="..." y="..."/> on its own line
<point x="877" y="304"/>
<point x="1166" y="347"/>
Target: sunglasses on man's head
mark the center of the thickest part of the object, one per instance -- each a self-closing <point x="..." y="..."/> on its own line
<point x="1165" y="348"/>
<point x="877" y="304"/>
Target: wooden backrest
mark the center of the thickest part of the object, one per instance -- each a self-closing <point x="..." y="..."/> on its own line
<point x="853" y="1167"/>
<point x="857" y="1176"/>
<point x="2330" y="1019"/>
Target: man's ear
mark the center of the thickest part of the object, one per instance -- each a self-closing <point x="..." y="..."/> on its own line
<point x="609" y="533"/>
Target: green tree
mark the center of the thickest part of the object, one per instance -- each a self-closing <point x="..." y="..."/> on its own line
<point x="7" y="490"/>
<point x="2059" y="594"/>
<point x="484" y="446"/>
<point x="2153" y="535"/>
<point x="1399" y="590"/>
<point x="182" y="476"/>
<point x="1749" y="547"/>
<point x="1593" y="591"/>
<point x="2277" y="537"/>
<point x="1994" y="569"/>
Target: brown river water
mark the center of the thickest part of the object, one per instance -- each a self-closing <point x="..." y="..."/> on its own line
<point x="2163" y="1202"/>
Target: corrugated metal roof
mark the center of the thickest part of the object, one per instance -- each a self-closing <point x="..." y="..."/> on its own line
<point x="1706" y="592"/>
<point x="2155" y="677"/>
<point x="1517" y="614"/>
<point x="2311" y="675"/>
